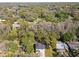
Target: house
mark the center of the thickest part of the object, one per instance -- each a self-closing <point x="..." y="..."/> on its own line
<point x="74" y="45"/>
<point x="40" y="49"/>
<point x="60" y="46"/>
<point x="16" y="25"/>
<point x="1" y="21"/>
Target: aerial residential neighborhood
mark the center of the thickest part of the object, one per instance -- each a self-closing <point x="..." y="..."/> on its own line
<point x="39" y="29"/>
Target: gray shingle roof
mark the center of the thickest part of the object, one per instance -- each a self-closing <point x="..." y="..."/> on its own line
<point x="39" y="45"/>
<point x="74" y="45"/>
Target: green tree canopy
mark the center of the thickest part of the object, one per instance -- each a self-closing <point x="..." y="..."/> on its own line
<point x="77" y="32"/>
<point x="12" y="35"/>
<point x="28" y="41"/>
<point x="48" y="38"/>
<point x="23" y="23"/>
<point x="12" y="47"/>
<point x="68" y="37"/>
<point x="61" y="16"/>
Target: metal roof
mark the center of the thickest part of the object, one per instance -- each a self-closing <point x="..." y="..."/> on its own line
<point x="61" y="45"/>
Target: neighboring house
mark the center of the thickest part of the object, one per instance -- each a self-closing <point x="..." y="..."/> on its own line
<point x="40" y="49"/>
<point x="2" y="20"/>
<point x="16" y="25"/>
<point x="60" y="46"/>
<point x="74" y="45"/>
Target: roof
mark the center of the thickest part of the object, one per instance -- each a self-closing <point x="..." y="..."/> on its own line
<point x="61" y="45"/>
<point x="2" y="20"/>
<point x="74" y="45"/>
<point x="39" y="45"/>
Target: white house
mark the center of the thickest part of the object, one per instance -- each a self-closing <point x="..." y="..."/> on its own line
<point x="60" y="46"/>
<point x="2" y="20"/>
<point x="40" y="49"/>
